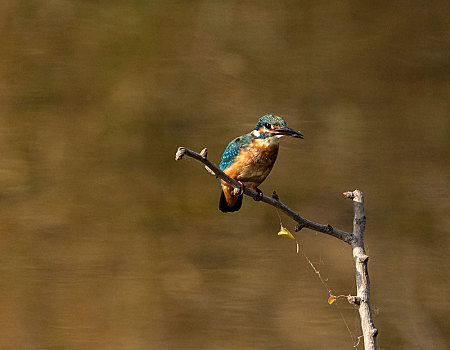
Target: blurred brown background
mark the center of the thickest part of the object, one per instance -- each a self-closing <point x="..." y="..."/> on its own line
<point x="107" y="243"/>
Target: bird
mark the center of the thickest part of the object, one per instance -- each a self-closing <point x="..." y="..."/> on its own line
<point x="249" y="158"/>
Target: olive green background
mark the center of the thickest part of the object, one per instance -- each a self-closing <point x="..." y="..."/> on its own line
<point x="107" y="243"/>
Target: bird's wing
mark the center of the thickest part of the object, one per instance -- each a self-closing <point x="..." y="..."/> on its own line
<point x="233" y="149"/>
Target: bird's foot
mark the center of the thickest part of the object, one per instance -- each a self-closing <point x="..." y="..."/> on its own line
<point x="237" y="191"/>
<point x="259" y="196"/>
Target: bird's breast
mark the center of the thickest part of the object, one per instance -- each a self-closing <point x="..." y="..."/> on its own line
<point x="254" y="163"/>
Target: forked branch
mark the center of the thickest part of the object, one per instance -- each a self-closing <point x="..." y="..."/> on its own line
<point x="355" y="239"/>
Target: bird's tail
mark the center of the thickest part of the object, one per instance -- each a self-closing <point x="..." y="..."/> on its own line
<point x="234" y="203"/>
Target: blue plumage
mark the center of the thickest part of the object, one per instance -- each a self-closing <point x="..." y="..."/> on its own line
<point x="233" y="149"/>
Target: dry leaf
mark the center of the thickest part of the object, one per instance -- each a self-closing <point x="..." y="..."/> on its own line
<point x="285" y="233"/>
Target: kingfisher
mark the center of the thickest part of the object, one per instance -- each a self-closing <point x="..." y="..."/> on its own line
<point x="249" y="158"/>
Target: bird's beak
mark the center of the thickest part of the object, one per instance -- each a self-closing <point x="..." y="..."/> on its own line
<point x="288" y="132"/>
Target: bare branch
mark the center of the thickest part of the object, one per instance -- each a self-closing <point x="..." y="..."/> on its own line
<point x="362" y="275"/>
<point x="274" y="201"/>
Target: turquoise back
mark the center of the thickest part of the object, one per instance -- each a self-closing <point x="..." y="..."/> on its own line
<point x="233" y="149"/>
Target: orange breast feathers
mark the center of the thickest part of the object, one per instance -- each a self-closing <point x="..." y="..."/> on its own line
<point x="251" y="166"/>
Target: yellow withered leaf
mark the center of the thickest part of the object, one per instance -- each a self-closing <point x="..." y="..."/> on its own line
<point x="285" y="233"/>
<point x="331" y="299"/>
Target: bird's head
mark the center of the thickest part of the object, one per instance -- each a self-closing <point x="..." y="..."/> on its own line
<point x="273" y="126"/>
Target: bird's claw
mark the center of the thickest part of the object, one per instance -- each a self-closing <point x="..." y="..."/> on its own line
<point x="259" y="196"/>
<point x="242" y="188"/>
<point x="239" y="191"/>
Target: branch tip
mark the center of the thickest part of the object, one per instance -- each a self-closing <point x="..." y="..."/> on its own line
<point x="275" y="196"/>
<point x="180" y="153"/>
<point x="358" y="196"/>
<point x="349" y="194"/>
<point x="204" y="152"/>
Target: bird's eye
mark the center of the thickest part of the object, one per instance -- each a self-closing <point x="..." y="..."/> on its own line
<point x="267" y="126"/>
